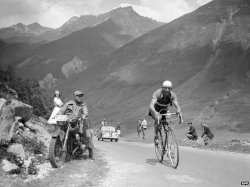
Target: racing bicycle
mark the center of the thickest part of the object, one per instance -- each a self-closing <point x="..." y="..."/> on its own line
<point x="167" y="143"/>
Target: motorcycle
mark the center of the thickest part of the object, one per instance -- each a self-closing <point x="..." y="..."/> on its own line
<point x="64" y="144"/>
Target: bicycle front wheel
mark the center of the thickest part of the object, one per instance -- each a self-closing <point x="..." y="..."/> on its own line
<point x="159" y="150"/>
<point x="173" y="149"/>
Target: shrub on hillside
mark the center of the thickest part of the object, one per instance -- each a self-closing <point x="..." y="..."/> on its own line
<point x="28" y="91"/>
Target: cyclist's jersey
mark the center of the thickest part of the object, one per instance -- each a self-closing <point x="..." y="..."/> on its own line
<point x="164" y="101"/>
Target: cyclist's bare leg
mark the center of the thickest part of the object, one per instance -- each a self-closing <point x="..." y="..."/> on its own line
<point x="156" y="126"/>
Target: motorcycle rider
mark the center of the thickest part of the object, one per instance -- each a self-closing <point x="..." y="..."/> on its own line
<point x="77" y="109"/>
<point x="162" y="99"/>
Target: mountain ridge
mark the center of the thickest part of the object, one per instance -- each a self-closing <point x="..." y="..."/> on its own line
<point x="204" y="53"/>
<point x="44" y="34"/>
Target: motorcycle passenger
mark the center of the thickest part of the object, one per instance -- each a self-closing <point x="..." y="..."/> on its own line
<point x="77" y="109"/>
<point x="162" y="99"/>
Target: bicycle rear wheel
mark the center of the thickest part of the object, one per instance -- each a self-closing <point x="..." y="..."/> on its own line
<point x="173" y="149"/>
<point x="159" y="146"/>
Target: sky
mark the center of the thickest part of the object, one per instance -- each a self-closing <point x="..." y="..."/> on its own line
<point x="54" y="13"/>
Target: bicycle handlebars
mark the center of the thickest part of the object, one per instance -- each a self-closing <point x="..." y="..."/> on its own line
<point x="168" y="115"/>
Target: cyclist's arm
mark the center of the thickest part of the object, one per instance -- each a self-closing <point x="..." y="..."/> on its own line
<point x="177" y="106"/>
<point x="152" y="105"/>
<point x="178" y="109"/>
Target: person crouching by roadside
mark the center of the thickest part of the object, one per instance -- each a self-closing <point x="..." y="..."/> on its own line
<point x="191" y="135"/>
<point x="208" y="135"/>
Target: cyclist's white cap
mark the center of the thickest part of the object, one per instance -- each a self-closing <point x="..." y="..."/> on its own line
<point x="167" y="84"/>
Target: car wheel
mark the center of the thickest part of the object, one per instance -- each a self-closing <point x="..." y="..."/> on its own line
<point x="116" y="140"/>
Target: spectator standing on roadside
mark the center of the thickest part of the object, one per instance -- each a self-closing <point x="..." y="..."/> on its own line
<point x="144" y="127"/>
<point x="104" y="123"/>
<point x="144" y="124"/>
<point x="118" y="128"/>
<point x="138" y="128"/>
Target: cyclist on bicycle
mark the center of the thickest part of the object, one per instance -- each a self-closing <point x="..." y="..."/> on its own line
<point x="162" y="99"/>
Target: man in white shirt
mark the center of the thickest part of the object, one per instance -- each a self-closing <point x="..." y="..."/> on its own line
<point x="104" y="123"/>
<point x="144" y="124"/>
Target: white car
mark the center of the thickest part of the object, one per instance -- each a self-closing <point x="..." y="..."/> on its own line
<point x="108" y="133"/>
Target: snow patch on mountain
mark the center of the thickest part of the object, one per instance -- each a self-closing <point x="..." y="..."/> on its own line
<point x="75" y="66"/>
<point x="47" y="62"/>
<point x="25" y="63"/>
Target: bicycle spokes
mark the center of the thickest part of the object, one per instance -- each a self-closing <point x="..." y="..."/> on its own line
<point x="173" y="149"/>
<point x="159" y="148"/>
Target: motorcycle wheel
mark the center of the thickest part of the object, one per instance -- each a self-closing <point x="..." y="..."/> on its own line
<point x="57" y="156"/>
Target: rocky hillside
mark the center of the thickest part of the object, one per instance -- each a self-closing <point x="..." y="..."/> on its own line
<point x="206" y="55"/>
<point x="24" y="140"/>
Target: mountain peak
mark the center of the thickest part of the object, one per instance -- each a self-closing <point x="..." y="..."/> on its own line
<point x="35" y="24"/>
<point x="71" y="20"/>
<point x="18" y="25"/>
<point x="124" y="9"/>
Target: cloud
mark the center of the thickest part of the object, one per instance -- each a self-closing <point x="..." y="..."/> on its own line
<point x="202" y="2"/>
<point x="51" y="13"/>
<point x="144" y="11"/>
<point x="15" y="11"/>
<point x="63" y="10"/>
<point x="168" y="10"/>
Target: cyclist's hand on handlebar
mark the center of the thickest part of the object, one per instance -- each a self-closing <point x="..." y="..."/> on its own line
<point x="158" y="116"/>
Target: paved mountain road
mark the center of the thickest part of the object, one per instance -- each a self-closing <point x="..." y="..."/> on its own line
<point x="135" y="164"/>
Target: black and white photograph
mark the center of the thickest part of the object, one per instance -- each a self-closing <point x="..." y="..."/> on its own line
<point x="124" y="93"/>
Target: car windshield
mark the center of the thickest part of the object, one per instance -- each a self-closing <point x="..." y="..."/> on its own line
<point x="108" y="128"/>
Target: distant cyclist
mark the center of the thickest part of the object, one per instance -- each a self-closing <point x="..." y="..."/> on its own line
<point x="162" y="99"/>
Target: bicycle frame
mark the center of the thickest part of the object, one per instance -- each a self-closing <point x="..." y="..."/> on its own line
<point x="166" y="127"/>
<point x="168" y="144"/>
